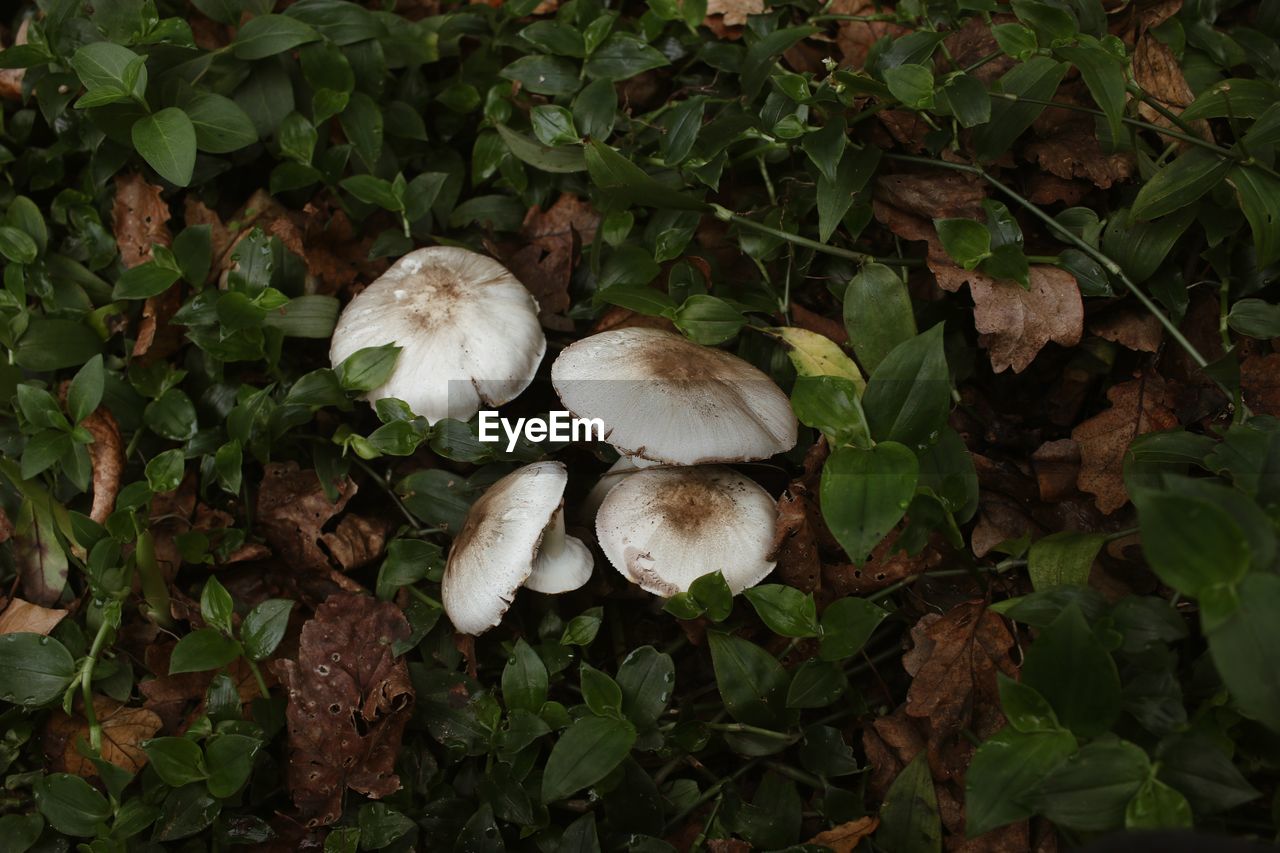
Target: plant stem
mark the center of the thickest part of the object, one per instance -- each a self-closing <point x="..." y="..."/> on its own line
<point x="86" y="683"/>
<point x="257" y="676"/>
<point x="726" y="215"/>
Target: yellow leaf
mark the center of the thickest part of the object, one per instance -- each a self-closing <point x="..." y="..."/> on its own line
<point x="817" y="355"/>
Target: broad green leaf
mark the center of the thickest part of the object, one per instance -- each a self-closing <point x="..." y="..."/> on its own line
<point x="1141" y="247"/>
<point x="877" y="314"/>
<point x="588" y="751"/>
<point x="1255" y="318"/>
<point x="1024" y="707"/>
<point x="544" y="75"/>
<point x="540" y="156"/>
<point x="70" y="804"/>
<point x="1104" y="75"/>
<point x="368" y="368"/>
<point x="110" y="72"/>
<point x="17" y="246"/>
<point x="167" y="141"/>
<point x="752" y="683"/>
<point x="835" y="197"/>
<point x="267" y="35"/>
<point x="912" y="85"/>
<point x="967" y="241"/>
<point x="216" y="606"/>
<point x="264" y="627"/>
<point x="221" y="125"/>
<point x="524" y="679"/>
<point x="830" y="404"/>
<point x="612" y="172"/>
<point x="230" y="762"/>
<point x="1037" y="78"/>
<point x="1157" y="806"/>
<point x="708" y="320"/>
<point x="785" y="609"/>
<point x="202" y="650"/>
<point x="847" y="624"/>
<point x="1259" y="196"/>
<point x="1191" y="544"/>
<point x="1180" y="183"/>
<point x="1245" y="646"/>
<point x="34" y="670"/>
<point x="85" y="391"/>
<point x="816" y="684"/>
<point x="1070" y="667"/>
<point x="177" y="761"/>
<point x="1090" y="791"/>
<point x="1063" y="558"/>
<point x="908" y="393"/>
<point x="622" y="56"/>
<point x="1003" y="772"/>
<point x="964" y="97"/>
<point x="865" y="492"/>
<point x="909" y="819"/>
<point x="647" y="678"/>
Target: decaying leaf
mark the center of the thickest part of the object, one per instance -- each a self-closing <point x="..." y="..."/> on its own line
<point x="1132" y="328"/>
<point x="794" y="544"/>
<point x="292" y="509"/>
<point x="847" y="836"/>
<point x="1014" y="322"/>
<point x="543" y="261"/>
<point x="39" y="557"/>
<point x="139" y="218"/>
<point x="1156" y="70"/>
<point x="933" y="195"/>
<point x="11" y="78"/>
<point x="1138" y="406"/>
<point x="1260" y="380"/>
<point x="1072" y="151"/>
<point x="888" y="564"/>
<point x="123" y="730"/>
<point x="734" y="12"/>
<point x="357" y="541"/>
<point x="855" y="38"/>
<point x="1057" y="465"/>
<point x="107" y="455"/>
<point x="23" y="616"/>
<point x="349" y="701"/>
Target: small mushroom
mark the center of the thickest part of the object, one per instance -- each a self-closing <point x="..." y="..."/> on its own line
<point x="467" y="328"/>
<point x="663" y="528"/>
<point x="513" y="536"/>
<point x="668" y="400"/>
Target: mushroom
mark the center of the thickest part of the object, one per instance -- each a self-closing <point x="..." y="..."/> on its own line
<point x="668" y="400"/>
<point x="663" y="528"/>
<point x="467" y="327"/>
<point x="513" y="536"/>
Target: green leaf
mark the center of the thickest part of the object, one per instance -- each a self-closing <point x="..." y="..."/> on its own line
<point x="110" y="72"/>
<point x="1104" y="75"/>
<point x="713" y="595"/>
<point x="553" y="125"/>
<point x="752" y="683"/>
<point x="544" y="75"/>
<point x="1024" y="707"/>
<point x="1196" y="765"/>
<point x="908" y="395"/>
<point x="1191" y="544"/>
<point x="221" y="125"/>
<point x="177" y="761"/>
<point x="34" y="670"/>
<point x="524" y="680"/>
<point x="186" y="811"/>
<point x="708" y="320"/>
<point x="600" y="692"/>
<point x="816" y="684"/>
<point x="216" y="605"/>
<point x="1038" y="79"/>
<point x="560" y="160"/>
<point x="583" y="628"/>
<point x="1069" y="667"/>
<point x="202" y="650"/>
<point x="967" y="241"/>
<point x="835" y="197"/>
<point x="230" y="761"/>
<point x="877" y="314"/>
<point x="1245" y="646"/>
<point x="22" y="830"/>
<point x="647" y="677"/>
<point x="1259" y="196"/>
<point x="164" y="470"/>
<point x="1003" y="772"/>
<point x="814" y="354"/>
<point x="824" y="147"/>
<point x="830" y="404"/>
<point x="1180" y="183"/>
<point x="167" y="141"/>
<point x="70" y="804"/>
<point x="786" y="610"/>
<point x="964" y="97"/>
<point x="17" y="246"/>
<point x="912" y="85"/>
<point x="847" y="624"/>
<point x="267" y="35"/>
<point x="865" y="492"/>
<point x="1157" y="806"/>
<point x="362" y="123"/>
<point x="85" y="392"/>
<point x="264" y="627"/>
<point x="612" y="172"/>
<point x="1255" y="318"/>
<point x="368" y="368"/>
<point x="144" y="281"/>
<point x="909" y="819"/>
<point x="622" y="56"/>
<point x="1090" y="790"/>
<point x="1063" y="558"/>
<point x="588" y="751"/>
<point x="1015" y="40"/>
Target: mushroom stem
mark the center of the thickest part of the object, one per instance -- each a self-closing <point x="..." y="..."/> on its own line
<point x="562" y="563"/>
<point x="553" y="537"/>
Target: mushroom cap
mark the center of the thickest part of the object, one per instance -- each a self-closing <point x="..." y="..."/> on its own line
<point x="467" y="327"/>
<point x="663" y="528"/>
<point x="669" y="400"/>
<point x="497" y="546"/>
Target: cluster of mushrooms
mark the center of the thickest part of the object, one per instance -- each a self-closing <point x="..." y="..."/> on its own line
<point x="665" y="514"/>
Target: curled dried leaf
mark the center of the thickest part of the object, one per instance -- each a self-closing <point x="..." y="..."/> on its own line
<point x="23" y="616"/>
<point x="123" y="731"/>
<point x="1138" y="407"/>
<point x="139" y="218"/>
<point x="107" y="455"/>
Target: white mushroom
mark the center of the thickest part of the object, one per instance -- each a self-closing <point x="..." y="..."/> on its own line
<point x="666" y="399"/>
<point x="513" y="536"/>
<point x="467" y="327"/>
<point x="663" y="528"/>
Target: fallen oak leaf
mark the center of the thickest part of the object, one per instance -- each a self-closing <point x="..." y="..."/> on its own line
<point x="1138" y="406"/>
<point x="1015" y="323"/>
<point x="1132" y="328"/>
<point x="23" y="616"/>
<point x="292" y="508"/>
<point x="123" y="731"/>
<point x="1156" y="71"/>
<point x="139" y="217"/>
<point x="847" y="836"/>
<point x="349" y="702"/>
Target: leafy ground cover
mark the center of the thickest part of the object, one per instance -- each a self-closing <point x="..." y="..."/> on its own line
<point x="1013" y="263"/>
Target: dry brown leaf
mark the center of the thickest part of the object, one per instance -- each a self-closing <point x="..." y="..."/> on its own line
<point x="139" y="218"/>
<point x="855" y="38"/>
<point x="107" y="455"/>
<point x="1260" y="381"/>
<point x="1016" y="323"/>
<point x="887" y="564"/>
<point x="357" y="541"/>
<point x="815" y="322"/>
<point x="1073" y="151"/>
<point x="545" y="257"/>
<point x="1057" y="465"/>
<point x="196" y="212"/>
<point x="23" y="616"/>
<point x="1132" y="328"/>
<point x="734" y="12"/>
<point x="1156" y="70"/>
<point x="11" y="78"/>
<point x="292" y="509"/>
<point x="123" y="731"/>
<point x="1138" y="407"/>
<point x="795" y="546"/>
<point x="933" y="195"/>
<point x="349" y="701"/>
<point x="6" y="526"/>
<point x="973" y="42"/>
<point x="1000" y="519"/>
<point x="847" y="836"/>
